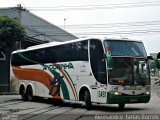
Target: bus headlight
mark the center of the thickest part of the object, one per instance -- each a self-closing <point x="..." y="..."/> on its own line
<point x="148" y="89"/>
<point x="147" y="93"/>
<point x="116" y="93"/>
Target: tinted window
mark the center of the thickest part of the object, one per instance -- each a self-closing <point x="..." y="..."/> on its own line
<point x="97" y="61"/>
<point x="126" y="48"/>
<point x="133" y="71"/>
<point x="77" y="51"/>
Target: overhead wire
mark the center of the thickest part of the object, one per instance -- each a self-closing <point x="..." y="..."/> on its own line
<point x="143" y="27"/>
<point x="99" y="5"/>
<point x="96" y="7"/>
<point x="104" y="25"/>
<point x="100" y="27"/>
<point x="110" y="33"/>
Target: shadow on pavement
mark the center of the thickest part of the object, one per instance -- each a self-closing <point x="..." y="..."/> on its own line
<point x="95" y="107"/>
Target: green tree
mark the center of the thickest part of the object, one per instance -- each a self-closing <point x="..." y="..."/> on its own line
<point x="10" y="31"/>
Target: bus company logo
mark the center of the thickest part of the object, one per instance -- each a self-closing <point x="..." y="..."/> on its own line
<point x="115" y="89"/>
<point x="58" y="66"/>
<point x="83" y="68"/>
<point x="133" y="92"/>
<point x="55" y="83"/>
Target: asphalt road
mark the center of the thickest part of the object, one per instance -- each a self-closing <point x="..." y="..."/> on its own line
<point x="13" y="108"/>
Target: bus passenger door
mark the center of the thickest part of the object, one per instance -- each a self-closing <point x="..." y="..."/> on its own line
<point x="98" y="67"/>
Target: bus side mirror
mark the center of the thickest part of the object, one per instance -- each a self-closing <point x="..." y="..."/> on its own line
<point x="150" y="58"/>
<point x="158" y="55"/>
<point x="157" y="62"/>
<point x="109" y="61"/>
<point x="153" y="58"/>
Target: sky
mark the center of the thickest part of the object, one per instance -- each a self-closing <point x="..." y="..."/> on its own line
<point x="132" y="19"/>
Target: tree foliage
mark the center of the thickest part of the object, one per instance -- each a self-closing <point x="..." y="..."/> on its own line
<point x="10" y="30"/>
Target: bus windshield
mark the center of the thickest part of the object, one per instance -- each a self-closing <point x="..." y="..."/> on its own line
<point x="129" y="71"/>
<point x="129" y="64"/>
<point x="125" y="48"/>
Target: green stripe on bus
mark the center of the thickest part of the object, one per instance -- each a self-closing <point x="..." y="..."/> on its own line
<point x="24" y="57"/>
<point x="64" y="90"/>
<point x="71" y="82"/>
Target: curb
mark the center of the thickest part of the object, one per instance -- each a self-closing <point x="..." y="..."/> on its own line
<point x="7" y="93"/>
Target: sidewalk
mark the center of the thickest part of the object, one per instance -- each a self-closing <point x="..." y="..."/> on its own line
<point x="155" y="85"/>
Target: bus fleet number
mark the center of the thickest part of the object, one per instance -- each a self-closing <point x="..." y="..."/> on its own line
<point x="101" y="93"/>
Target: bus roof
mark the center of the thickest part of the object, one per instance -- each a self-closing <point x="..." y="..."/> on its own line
<point x="70" y="41"/>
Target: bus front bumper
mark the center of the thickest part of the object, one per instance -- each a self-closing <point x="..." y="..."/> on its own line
<point x="116" y="99"/>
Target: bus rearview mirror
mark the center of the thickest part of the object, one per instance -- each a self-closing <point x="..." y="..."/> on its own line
<point x="150" y="57"/>
<point x="109" y="61"/>
<point x="157" y="62"/>
<point x="158" y="55"/>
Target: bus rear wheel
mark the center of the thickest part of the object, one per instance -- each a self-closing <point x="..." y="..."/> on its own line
<point x="22" y="92"/>
<point x="29" y="94"/>
<point x="23" y="95"/>
<point x="87" y="99"/>
<point x="121" y="105"/>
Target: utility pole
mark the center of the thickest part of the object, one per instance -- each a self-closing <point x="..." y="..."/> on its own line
<point x="20" y="8"/>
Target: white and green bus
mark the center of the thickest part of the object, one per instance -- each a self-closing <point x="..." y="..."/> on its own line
<point x="111" y="71"/>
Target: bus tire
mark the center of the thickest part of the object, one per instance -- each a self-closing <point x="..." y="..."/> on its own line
<point x="121" y="105"/>
<point x="29" y="93"/>
<point x="87" y="99"/>
<point x="22" y="92"/>
<point x="23" y="96"/>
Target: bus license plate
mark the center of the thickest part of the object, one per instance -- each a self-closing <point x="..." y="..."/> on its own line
<point x="133" y="100"/>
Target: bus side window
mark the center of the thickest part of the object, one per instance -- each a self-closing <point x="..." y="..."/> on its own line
<point x="80" y="51"/>
<point x="97" y="61"/>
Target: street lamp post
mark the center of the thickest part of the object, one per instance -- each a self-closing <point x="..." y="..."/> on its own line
<point x="64" y="22"/>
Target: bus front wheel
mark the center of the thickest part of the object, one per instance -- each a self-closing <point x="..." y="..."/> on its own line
<point x="121" y="105"/>
<point x="87" y="99"/>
